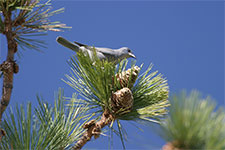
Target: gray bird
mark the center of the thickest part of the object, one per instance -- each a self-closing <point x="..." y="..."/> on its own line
<point x="112" y="55"/>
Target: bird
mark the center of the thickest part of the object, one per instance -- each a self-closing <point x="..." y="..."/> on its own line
<point x="111" y="55"/>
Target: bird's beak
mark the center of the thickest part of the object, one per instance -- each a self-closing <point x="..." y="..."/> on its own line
<point x="132" y="55"/>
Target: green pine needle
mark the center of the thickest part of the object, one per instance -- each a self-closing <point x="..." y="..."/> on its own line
<point x="30" y="18"/>
<point x="50" y="127"/>
<point x="150" y="97"/>
<point x="96" y="80"/>
<point x="193" y="123"/>
<point x="92" y="80"/>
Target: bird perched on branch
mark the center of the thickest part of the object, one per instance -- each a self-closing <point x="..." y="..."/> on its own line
<point x="112" y="55"/>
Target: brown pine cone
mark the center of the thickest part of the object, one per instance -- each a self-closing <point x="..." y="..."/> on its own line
<point x="127" y="78"/>
<point x="122" y="101"/>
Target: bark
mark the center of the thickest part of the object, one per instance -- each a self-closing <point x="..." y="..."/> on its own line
<point x="94" y="129"/>
<point x="8" y="67"/>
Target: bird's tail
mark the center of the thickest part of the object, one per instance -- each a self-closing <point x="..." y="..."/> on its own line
<point x="67" y="44"/>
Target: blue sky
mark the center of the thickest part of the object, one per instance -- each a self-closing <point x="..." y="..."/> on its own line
<point x="184" y="41"/>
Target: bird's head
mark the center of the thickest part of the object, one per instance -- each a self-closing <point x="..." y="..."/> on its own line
<point x="126" y="52"/>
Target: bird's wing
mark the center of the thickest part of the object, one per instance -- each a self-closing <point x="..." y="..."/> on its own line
<point x="104" y="50"/>
<point x="107" y="52"/>
<point x="91" y="48"/>
<point x="67" y="44"/>
<point x="80" y="44"/>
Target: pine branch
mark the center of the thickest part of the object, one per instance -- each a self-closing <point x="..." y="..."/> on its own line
<point x="113" y="94"/>
<point x="94" y="128"/>
<point x="32" y="19"/>
<point x="193" y="123"/>
<point x="7" y="67"/>
<point x="49" y="127"/>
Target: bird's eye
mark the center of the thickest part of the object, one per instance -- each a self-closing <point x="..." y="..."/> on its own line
<point x="129" y="50"/>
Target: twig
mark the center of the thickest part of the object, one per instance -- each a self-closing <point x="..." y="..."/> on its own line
<point x="94" y="129"/>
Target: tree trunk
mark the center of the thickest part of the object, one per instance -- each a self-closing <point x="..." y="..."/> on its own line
<point x="9" y="66"/>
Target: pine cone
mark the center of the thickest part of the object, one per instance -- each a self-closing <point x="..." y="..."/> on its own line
<point x="122" y="101"/>
<point x="127" y="78"/>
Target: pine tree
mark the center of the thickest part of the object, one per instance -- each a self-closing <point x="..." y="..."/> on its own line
<point x="108" y="93"/>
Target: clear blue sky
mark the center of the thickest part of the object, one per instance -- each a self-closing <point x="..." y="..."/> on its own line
<point x="184" y="41"/>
